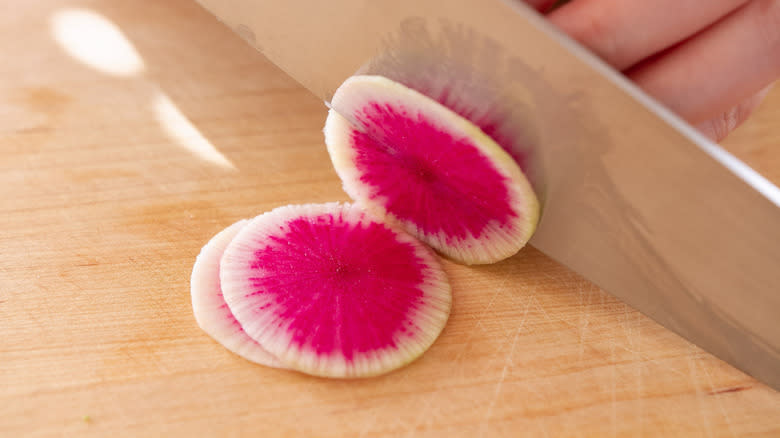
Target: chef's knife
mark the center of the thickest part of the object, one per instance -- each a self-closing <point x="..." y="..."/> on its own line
<point x="634" y="199"/>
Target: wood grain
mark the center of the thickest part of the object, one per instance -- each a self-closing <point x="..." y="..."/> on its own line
<point x="103" y="208"/>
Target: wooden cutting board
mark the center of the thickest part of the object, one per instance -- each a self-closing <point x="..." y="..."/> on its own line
<point x="131" y="132"/>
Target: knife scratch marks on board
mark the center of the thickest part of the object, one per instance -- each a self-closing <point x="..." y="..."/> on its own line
<point x="369" y="424"/>
<point x="613" y="402"/>
<point x="638" y="366"/>
<point x="723" y="412"/>
<point x="423" y="414"/>
<point x="477" y="325"/>
<point x="503" y="339"/>
<point x="582" y="314"/>
<point x="501" y="288"/>
<point x="508" y="364"/>
<point x="655" y="361"/>
<point x="544" y="312"/>
<point x="631" y="328"/>
<point x="484" y="312"/>
<point x="585" y="294"/>
<point x="693" y="373"/>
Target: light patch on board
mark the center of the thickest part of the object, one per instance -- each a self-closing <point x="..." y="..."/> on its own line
<point x="181" y="130"/>
<point x="95" y="41"/>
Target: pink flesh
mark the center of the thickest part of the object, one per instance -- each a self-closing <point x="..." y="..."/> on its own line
<point x="492" y="130"/>
<point x="342" y="287"/>
<point x="489" y="124"/>
<point x="427" y="176"/>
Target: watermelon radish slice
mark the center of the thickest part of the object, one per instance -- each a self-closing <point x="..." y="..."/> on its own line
<point x="211" y="310"/>
<point x="331" y="291"/>
<point x="414" y="162"/>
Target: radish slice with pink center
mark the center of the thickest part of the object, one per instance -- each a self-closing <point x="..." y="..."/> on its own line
<point x="211" y="311"/>
<point x="330" y="291"/>
<point x="410" y="159"/>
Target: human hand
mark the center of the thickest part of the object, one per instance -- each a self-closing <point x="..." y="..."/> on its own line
<point x="711" y="61"/>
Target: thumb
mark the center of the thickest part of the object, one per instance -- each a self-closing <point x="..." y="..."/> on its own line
<point x="717" y="128"/>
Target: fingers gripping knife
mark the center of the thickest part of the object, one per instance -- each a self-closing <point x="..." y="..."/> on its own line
<point x="634" y="199"/>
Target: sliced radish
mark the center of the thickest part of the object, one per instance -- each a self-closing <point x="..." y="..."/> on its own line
<point x="330" y="291"/>
<point x="211" y="310"/>
<point x="411" y="160"/>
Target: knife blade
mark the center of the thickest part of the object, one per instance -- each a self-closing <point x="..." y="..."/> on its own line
<point x="635" y="200"/>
